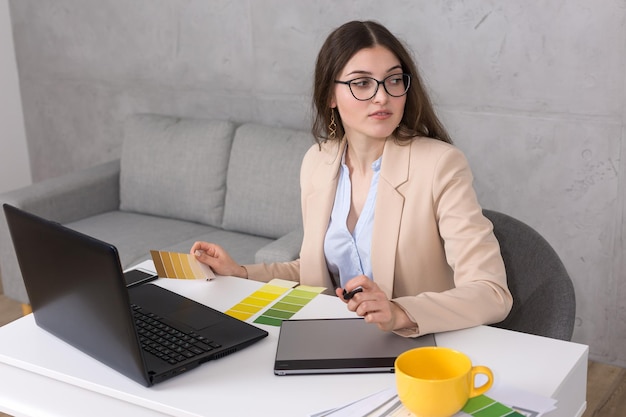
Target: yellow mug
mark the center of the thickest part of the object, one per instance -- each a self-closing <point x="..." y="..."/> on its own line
<point x="437" y="381"/>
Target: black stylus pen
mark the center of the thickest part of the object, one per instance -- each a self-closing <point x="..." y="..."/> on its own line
<point x="348" y="295"/>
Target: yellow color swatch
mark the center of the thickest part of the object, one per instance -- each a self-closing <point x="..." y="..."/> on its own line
<point x="180" y="266"/>
<point x="260" y="299"/>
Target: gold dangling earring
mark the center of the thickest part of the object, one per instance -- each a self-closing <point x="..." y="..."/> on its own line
<point x="332" y="126"/>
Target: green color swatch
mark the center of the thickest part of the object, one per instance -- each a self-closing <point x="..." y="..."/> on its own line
<point x="288" y="305"/>
<point x="483" y="406"/>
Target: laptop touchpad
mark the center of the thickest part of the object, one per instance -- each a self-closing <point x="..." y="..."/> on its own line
<point x="195" y="317"/>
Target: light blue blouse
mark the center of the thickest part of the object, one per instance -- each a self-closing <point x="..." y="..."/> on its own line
<point x="349" y="254"/>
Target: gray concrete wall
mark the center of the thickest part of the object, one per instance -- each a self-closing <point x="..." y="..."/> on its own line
<point x="533" y="92"/>
<point x="14" y="163"/>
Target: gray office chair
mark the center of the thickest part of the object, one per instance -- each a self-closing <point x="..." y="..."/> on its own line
<point x="544" y="302"/>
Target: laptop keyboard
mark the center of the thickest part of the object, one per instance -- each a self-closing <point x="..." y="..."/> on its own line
<point x="166" y="342"/>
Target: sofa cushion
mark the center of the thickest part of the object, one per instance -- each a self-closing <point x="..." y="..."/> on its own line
<point x="263" y="183"/>
<point x="175" y="167"/>
<point x="134" y="235"/>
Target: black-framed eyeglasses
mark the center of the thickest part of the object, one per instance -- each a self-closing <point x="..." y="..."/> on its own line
<point x="365" y="88"/>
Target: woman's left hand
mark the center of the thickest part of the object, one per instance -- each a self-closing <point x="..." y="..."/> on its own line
<point x="373" y="305"/>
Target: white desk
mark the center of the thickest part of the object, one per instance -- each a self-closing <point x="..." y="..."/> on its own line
<point x="43" y="376"/>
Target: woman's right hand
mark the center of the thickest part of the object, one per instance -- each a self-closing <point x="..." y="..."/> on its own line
<point x="217" y="259"/>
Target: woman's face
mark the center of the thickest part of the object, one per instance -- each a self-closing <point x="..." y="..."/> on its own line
<point x="379" y="116"/>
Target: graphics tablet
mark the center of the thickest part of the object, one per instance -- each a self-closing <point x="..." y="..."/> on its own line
<point x="326" y="346"/>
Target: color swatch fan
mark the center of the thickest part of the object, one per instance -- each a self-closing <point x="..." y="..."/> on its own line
<point x="180" y="266"/>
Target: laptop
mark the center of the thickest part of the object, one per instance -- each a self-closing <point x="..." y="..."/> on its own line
<point x="330" y="346"/>
<point x="78" y="293"/>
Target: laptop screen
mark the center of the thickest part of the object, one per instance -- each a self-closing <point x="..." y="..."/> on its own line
<point x="77" y="290"/>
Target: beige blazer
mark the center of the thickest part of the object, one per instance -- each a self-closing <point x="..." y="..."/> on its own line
<point x="433" y="252"/>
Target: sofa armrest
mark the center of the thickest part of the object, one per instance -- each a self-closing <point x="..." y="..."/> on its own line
<point x="64" y="199"/>
<point x="73" y="196"/>
<point x="285" y="248"/>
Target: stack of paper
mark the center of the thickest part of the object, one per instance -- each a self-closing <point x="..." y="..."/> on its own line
<point x="500" y="402"/>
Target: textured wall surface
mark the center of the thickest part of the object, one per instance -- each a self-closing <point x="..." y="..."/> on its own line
<point x="533" y="92"/>
<point x="14" y="163"/>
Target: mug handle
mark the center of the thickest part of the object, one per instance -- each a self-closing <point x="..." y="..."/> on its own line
<point x="476" y="391"/>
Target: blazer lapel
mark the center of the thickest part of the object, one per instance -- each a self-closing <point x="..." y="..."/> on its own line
<point x="388" y="213"/>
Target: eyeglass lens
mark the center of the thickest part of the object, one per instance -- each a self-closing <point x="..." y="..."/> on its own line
<point x="364" y="88"/>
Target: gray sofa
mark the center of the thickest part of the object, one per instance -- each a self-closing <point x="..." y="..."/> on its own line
<point x="178" y="181"/>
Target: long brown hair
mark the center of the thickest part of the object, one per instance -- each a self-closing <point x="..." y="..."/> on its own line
<point x="419" y="118"/>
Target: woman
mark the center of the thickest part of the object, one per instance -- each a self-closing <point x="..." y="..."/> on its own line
<point x="387" y="201"/>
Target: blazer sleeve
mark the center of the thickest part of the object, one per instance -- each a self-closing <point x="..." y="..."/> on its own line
<point x="266" y="272"/>
<point x="479" y="294"/>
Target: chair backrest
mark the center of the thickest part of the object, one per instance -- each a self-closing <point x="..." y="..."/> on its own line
<point x="544" y="302"/>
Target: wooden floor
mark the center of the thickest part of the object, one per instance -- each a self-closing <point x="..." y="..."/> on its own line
<point x="606" y="385"/>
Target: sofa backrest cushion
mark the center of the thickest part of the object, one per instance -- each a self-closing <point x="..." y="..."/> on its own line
<point x="174" y="167"/>
<point x="263" y="183"/>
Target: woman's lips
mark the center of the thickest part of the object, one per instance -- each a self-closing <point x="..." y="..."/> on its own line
<point x="380" y="115"/>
